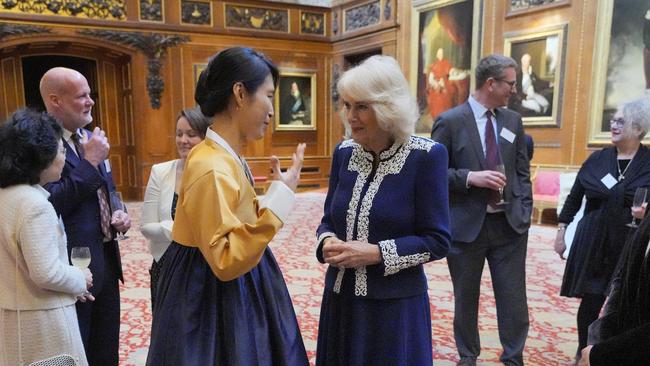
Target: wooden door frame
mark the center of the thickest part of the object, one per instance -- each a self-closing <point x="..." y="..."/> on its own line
<point x="81" y="47"/>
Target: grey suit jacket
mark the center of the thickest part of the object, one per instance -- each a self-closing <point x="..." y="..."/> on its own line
<point x="457" y="130"/>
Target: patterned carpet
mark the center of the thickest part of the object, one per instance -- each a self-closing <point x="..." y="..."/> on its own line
<point x="552" y="337"/>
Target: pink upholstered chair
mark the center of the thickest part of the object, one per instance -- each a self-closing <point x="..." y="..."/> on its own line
<point x="546" y="190"/>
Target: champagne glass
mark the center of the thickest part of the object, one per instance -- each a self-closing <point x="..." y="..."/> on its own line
<point x="501" y="169"/>
<point x="639" y="200"/>
<point x="80" y="257"/>
<point x="117" y="203"/>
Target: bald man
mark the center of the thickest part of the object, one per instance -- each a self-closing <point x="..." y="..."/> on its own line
<point x="81" y="197"/>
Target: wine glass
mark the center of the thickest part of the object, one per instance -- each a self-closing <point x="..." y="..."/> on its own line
<point x="501" y="169"/>
<point x="117" y="203"/>
<point x="639" y="200"/>
<point x="80" y="257"/>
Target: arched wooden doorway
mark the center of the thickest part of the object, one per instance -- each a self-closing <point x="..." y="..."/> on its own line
<point x="109" y="76"/>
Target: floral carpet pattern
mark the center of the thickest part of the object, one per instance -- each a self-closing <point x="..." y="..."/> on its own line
<point x="552" y="338"/>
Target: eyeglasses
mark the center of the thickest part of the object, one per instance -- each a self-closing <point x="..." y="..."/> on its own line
<point x="510" y="83"/>
<point x="619" y="122"/>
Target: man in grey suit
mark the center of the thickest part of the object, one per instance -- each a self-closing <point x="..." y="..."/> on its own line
<point x="482" y="137"/>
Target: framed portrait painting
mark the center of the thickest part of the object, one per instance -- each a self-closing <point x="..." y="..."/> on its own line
<point x="621" y="66"/>
<point x="295" y="101"/>
<point x="446" y="36"/>
<point x="540" y="75"/>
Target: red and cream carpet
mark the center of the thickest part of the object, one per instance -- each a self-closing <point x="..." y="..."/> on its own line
<point x="552" y="338"/>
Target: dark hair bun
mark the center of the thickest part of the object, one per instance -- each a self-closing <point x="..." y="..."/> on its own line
<point x="225" y="69"/>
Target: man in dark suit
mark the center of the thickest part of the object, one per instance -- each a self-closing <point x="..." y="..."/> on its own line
<point x="82" y="197"/>
<point x="481" y="136"/>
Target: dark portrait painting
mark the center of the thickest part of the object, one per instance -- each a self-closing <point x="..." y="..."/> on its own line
<point x="295" y="101"/>
<point x="628" y="65"/>
<point x="444" y="59"/>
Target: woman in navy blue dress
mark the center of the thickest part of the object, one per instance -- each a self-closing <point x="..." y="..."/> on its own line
<point x="221" y="298"/>
<point x="386" y="214"/>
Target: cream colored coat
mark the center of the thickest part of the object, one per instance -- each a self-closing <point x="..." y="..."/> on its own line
<point x="156" y="210"/>
<point x="43" y="286"/>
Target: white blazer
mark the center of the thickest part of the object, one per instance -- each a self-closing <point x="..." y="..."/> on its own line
<point x="33" y="239"/>
<point x="156" y="223"/>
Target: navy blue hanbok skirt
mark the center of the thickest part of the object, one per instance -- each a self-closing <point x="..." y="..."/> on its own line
<point x="201" y="320"/>
<point x="358" y="331"/>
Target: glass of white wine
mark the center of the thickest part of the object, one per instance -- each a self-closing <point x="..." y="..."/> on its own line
<point x="117" y="203"/>
<point x="80" y="257"/>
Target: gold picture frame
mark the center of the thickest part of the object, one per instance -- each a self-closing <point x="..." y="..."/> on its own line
<point x="541" y="55"/>
<point x="618" y="51"/>
<point x="295" y="100"/>
<point x="518" y="7"/>
<point x="441" y="80"/>
<point x="197" y="70"/>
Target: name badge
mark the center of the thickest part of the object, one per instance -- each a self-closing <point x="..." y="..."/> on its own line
<point x="107" y="165"/>
<point x="508" y="135"/>
<point x="609" y="181"/>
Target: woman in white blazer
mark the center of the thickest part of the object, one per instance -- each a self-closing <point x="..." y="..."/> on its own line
<point x="164" y="184"/>
<point x="38" y="286"/>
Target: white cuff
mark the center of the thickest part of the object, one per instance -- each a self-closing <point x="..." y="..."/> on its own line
<point x="167" y="226"/>
<point x="278" y="198"/>
<point x="467" y="180"/>
<point x="324" y="236"/>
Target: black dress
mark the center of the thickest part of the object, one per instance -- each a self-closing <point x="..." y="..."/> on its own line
<point x="601" y="234"/>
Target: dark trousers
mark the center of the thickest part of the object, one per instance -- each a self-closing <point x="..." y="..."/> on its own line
<point x="99" y="320"/>
<point x="505" y="251"/>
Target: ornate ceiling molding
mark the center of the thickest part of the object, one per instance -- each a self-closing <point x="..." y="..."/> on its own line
<point x="8" y="30"/>
<point x="153" y="45"/>
<point x="104" y="9"/>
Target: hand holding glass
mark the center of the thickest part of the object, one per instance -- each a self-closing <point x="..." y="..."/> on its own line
<point x="118" y="204"/>
<point x="639" y="199"/>
<point x="80" y="258"/>
<point x="501" y="169"/>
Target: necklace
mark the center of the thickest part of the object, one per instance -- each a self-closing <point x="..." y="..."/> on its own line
<point x="621" y="175"/>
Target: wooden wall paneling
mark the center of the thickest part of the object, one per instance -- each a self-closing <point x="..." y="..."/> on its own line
<point x="110" y="118"/>
<point x="11" y="75"/>
<point x="567" y="144"/>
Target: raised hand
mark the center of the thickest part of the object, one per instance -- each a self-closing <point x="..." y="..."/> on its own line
<point x="95" y="149"/>
<point x="292" y="176"/>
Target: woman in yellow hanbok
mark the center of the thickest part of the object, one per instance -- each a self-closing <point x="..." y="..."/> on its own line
<point x="222" y="299"/>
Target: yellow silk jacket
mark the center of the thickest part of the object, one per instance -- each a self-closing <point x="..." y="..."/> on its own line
<point x="218" y="212"/>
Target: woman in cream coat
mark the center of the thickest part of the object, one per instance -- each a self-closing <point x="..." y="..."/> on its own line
<point x="36" y="278"/>
<point x="163" y="187"/>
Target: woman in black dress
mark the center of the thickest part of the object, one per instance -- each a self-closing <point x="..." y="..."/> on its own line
<point x="608" y="179"/>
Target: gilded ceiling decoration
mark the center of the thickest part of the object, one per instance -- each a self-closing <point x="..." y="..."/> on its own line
<point x="151" y="10"/>
<point x="362" y="16"/>
<point x="196" y="12"/>
<point x="257" y="18"/>
<point x="312" y="23"/>
<point x="93" y="9"/>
